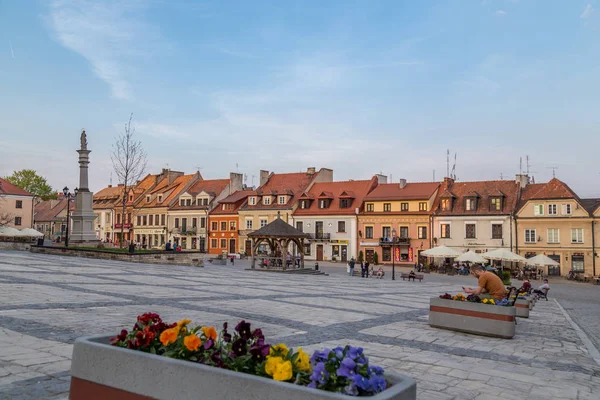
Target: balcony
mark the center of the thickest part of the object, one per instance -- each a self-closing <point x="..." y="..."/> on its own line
<point x="398" y="241"/>
<point x="319" y="236"/>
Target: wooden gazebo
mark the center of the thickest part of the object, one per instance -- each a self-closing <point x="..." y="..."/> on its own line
<point x="278" y="235"/>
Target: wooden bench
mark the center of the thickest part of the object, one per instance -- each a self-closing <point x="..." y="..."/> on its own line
<point x="407" y="276"/>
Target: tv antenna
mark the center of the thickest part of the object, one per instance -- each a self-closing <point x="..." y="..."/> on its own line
<point x="448" y="163"/>
<point x="236" y="167"/>
<point x="454" y="168"/>
<point x="110" y="180"/>
<point x="528" y="164"/>
<point x="245" y="178"/>
<point x="253" y="176"/>
<point x="553" y="171"/>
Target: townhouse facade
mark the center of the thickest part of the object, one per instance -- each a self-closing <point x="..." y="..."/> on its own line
<point x="276" y="195"/>
<point x="223" y="224"/>
<point x="104" y="207"/>
<point x="50" y="218"/>
<point x="16" y="206"/>
<point x="554" y="221"/>
<point x="328" y="212"/>
<point x="477" y="215"/>
<point x="395" y="225"/>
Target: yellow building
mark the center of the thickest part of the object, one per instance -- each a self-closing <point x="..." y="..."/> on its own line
<point x="554" y="221"/>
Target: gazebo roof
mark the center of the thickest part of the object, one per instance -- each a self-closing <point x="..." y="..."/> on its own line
<point x="278" y="228"/>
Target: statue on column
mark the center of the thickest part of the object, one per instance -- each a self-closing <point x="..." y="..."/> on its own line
<point x="83" y="140"/>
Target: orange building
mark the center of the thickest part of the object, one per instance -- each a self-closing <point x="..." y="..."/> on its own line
<point x="223" y="223"/>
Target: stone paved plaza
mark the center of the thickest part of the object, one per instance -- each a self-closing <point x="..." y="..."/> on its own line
<point x="48" y="301"/>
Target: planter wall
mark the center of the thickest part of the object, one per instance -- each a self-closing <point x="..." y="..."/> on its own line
<point x="522" y="307"/>
<point x="101" y="371"/>
<point x="476" y="318"/>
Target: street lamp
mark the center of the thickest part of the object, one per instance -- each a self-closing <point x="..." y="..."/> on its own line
<point x="393" y="254"/>
<point x="69" y="196"/>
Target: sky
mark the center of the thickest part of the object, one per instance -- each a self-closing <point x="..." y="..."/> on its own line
<point x="362" y="87"/>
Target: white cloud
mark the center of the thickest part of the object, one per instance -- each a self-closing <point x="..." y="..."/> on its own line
<point x="587" y="12"/>
<point x="501" y="13"/>
<point x="108" y="34"/>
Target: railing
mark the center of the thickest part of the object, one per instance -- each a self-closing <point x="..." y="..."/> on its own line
<point x="320" y="236"/>
<point x="398" y="241"/>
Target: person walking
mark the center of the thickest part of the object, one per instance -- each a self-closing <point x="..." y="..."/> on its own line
<point x="362" y="269"/>
<point x="351" y="265"/>
<point x="366" y="269"/>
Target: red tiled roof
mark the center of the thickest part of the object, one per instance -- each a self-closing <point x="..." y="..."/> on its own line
<point x="7" y="188"/>
<point x="412" y="191"/>
<point x="44" y="211"/>
<point x="554" y="189"/>
<point x="212" y="186"/>
<point x="291" y="184"/>
<point x="359" y="189"/>
<point x="508" y="190"/>
<point x="172" y="191"/>
<point x="237" y="199"/>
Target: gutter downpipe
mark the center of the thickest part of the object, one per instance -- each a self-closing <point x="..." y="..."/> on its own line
<point x="593" y="248"/>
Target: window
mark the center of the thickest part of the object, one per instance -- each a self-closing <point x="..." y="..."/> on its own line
<point x="341" y="226"/>
<point x="323" y="203"/>
<point x="368" y="232"/>
<point x="130" y="197"/>
<point x="566" y="209"/>
<point x="214" y="226"/>
<point x="470" y="205"/>
<point x="300" y="226"/>
<point x="188" y="202"/>
<point x="248" y="224"/>
<point x="232" y="225"/>
<point x="223" y="243"/>
<point x="281" y="199"/>
<point x="386" y="255"/>
<point x="386" y="232"/>
<point x="530" y="236"/>
<point x="307" y="249"/>
<point x="553" y="235"/>
<point x="18" y="221"/>
<point x="263" y="222"/>
<point x="139" y="219"/>
<point x="495" y="204"/>
<point x="422" y="232"/>
<point x="19" y="204"/>
<point x="577" y="263"/>
<point x="370" y="207"/>
<point x="538" y="209"/>
<point x="403" y="206"/>
<point x="156" y="219"/>
<point x="151" y="220"/>
<point x="387" y="207"/>
<point x="345" y="203"/>
<point x="267" y="200"/>
<point x="144" y="220"/>
<point x="304" y="204"/>
<point x="552" y="209"/>
<point x="194" y="222"/>
<point x="160" y="198"/>
<point x="470" y="231"/>
<point x="252" y="201"/>
<point x="162" y="219"/>
<point x="445" y="204"/>
<point x="213" y="243"/>
<point x="176" y="222"/>
<point x="404" y="232"/>
<point x="496" y="231"/>
<point x="223" y="226"/>
<point x="445" y="231"/>
<point x="147" y="198"/>
<point x="577" y="235"/>
<point x="423" y="206"/>
<point x="184" y="224"/>
<point x="119" y="219"/>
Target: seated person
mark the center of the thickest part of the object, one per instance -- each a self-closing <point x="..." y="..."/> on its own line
<point x="380" y="273"/>
<point x="488" y="282"/>
<point x="526" y="286"/>
<point x="411" y="275"/>
<point x="543" y="289"/>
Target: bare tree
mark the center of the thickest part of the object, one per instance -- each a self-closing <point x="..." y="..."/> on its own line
<point x="129" y="162"/>
<point x="5" y="218"/>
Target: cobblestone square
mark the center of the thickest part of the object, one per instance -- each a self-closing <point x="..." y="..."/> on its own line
<point x="49" y="301"/>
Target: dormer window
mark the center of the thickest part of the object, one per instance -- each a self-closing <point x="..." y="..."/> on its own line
<point x="496" y="203"/>
<point x="188" y="202"/>
<point x="304" y="204"/>
<point x="324" y="203"/>
<point x="147" y="199"/>
<point x="345" y="203"/>
<point x="370" y="207"/>
<point x="470" y="204"/>
<point x="445" y="204"/>
<point x="267" y="200"/>
<point x="282" y="200"/>
<point x="182" y="202"/>
<point x="252" y="201"/>
<point x="160" y="198"/>
<point x="130" y="197"/>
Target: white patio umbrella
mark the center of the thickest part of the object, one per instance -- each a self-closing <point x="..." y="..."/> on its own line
<point x="471" y="257"/>
<point x="441" y="252"/>
<point x="541" y="260"/>
<point x="30" y="232"/>
<point x="7" y="231"/>
<point x="503" y="255"/>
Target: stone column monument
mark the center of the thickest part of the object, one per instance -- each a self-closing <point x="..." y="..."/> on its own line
<point x="83" y="217"/>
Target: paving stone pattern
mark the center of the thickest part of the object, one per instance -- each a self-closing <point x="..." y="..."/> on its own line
<point x="48" y="301"/>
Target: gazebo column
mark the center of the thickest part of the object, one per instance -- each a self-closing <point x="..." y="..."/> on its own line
<point x="253" y="253"/>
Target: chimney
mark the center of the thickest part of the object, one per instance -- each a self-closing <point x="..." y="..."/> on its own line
<point x="381" y="178"/>
<point x="235" y="182"/>
<point x="109" y="186"/>
<point x="120" y="185"/>
<point x="522" y="180"/>
<point x="448" y="182"/>
<point x="402" y="183"/>
<point x="311" y="171"/>
<point x="264" y="177"/>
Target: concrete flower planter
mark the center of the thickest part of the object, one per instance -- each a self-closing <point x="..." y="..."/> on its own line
<point x="522" y="307"/>
<point x="101" y="371"/>
<point x="476" y="318"/>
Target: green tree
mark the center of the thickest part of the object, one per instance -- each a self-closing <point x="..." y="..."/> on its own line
<point x="35" y="184"/>
<point x="376" y="258"/>
<point x="361" y="256"/>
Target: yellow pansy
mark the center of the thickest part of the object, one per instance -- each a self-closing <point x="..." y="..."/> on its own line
<point x="283" y="371"/>
<point x="271" y="365"/>
<point x="279" y="349"/>
<point x="492" y="301"/>
<point x="303" y="361"/>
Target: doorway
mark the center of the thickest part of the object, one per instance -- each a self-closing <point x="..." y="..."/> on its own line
<point x="232" y="246"/>
<point x="369" y="256"/>
<point x="319" y="252"/>
<point x="344" y="253"/>
<point x="248" y="248"/>
<point x="202" y="245"/>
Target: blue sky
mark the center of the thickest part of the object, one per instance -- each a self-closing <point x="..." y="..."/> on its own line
<point x="358" y="86"/>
